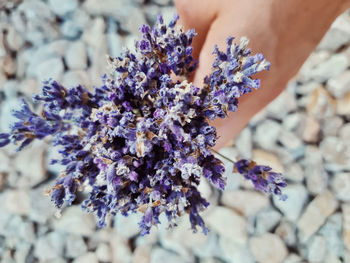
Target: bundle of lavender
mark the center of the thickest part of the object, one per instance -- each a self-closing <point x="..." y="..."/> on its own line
<point x="142" y="142"/>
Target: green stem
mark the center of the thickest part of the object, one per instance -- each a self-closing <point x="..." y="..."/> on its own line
<point x="223" y="156"/>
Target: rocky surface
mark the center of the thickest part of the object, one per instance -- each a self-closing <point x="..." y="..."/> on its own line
<point x="304" y="133"/>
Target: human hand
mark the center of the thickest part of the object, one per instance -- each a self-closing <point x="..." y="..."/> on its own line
<point x="286" y="32"/>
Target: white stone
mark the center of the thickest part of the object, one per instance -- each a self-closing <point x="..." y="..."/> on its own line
<point x="282" y="105"/>
<point x="233" y="180"/>
<point x="75" y="221"/>
<point x="89" y="257"/>
<point x="161" y="255"/>
<point x="332" y="232"/>
<point x="103" y="252"/>
<point x="293" y="206"/>
<point x="228" y="223"/>
<point x="344" y="132"/>
<point x="127" y="227"/>
<point x="317" y="249"/>
<point x="75" y="246"/>
<point x="316" y="58"/>
<point x="121" y="249"/>
<point x="320" y="104"/>
<point x="336" y="152"/>
<point x="330" y="126"/>
<point x="287" y="232"/>
<point x="142" y="254"/>
<point x="268" y="248"/>
<point x="293" y="258"/>
<point x="50" y="68"/>
<point x="16" y="201"/>
<point x="338" y="35"/>
<point x="233" y="252"/>
<point x="75" y="78"/>
<point x="307" y="88"/>
<point x="343" y="105"/>
<point x="266" y="134"/>
<point x="316" y="176"/>
<point x="289" y="140"/>
<point x="339" y="85"/>
<point x="311" y="130"/>
<point x="244" y="144"/>
<point x="341" y="186"/>
<point x="115" y="44"/>
<point x="245" y="202"/>
<point x="294" y="172"/>
<point x="266" y="220"/>
<point x="63" y="7"/>
<point x="49" y="246"/>
<point x="346" y="225"/>
<point x="331" y="67"/>
<point x="316" y="214"/>
<point x="76" y="57"/>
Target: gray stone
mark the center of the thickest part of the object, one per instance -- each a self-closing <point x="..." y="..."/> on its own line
<point x="228" y="224"/>
<point x="22" y="252"/>
<point x="293" y="206"/>
<point x="268" y="248"/>
<point x="75" y="221"/>
<point x="332" y="231"/>
<point x="294" y="172"/>
<point x="75" y="78"/>
<point x="233" y="252"/>
<point x="316" y="214"/>
<point x="339" y="85"/>
<point x="75" y="246"/>
<point x="287" y="232"/>
<point x="317" y="249"/>
<point x="282" y="105"/>
<point x="341" y="186"/>
<point x="244" y="143"/>
<point x="336" y="152"/>
<point x="344" y="132"/>
<point x="50" y="68"/>
<point x="266" y="220"/>
<point x="316" y="176"/>
<point x="63" y="7"/>
<point x="331" y="67"/>
<point x="246" y="203"/>
<point x="266" y="134"/>
<point x="50" y="246"/>
<point x="89" y="257"/>
<point x="76" y="57"/>
<point x="330" y="126"/>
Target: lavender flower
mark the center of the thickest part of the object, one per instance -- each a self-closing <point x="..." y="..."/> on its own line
<point x="141" y="141"/>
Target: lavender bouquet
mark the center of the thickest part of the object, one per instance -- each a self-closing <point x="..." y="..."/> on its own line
<point x="141" y="142"/>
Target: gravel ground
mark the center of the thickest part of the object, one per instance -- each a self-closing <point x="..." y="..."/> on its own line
<point x="304" y="133"/>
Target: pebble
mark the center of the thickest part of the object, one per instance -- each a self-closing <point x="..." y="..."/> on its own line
<point x="41" y="208"/>
<point x="316" y="176"/>
<point x="344" y="132"/>
<point x="16" y="201"/>
<point x="267" y="133"/>
<point x="121" y="250"/>
<point x="76" y="57"/>
<point x="268" y="248"/>
<point x="341" y="186"/>
<point x="75" y="221"/>
<point x="287" y="232"/>
<point x="75" y="78"/>
<point x="282" y="105"/>
<point x="316" y="214"/>
<point x="266" y="220"/>
<point x="343" y="105"/>
<point x="339" y="85"/>
<point x="311" y="131"/>
<point x="89" y="257"/>
<point x="103" y="252"/>
<point x="75" y="246"/>
<point x="63" y="7"/>
<point x="142" y="254"/>
<point x="127" y="227"/>
<point x="233" y="252"/>
<point x="294" y="172"/>
<point x="244" y="144"/>
<point x="329" y="68"/>
<point x="293" y="206"/>
<point x="244" y="202"/>
<point x="270" y="159"/>
<point x="228" y="224"/>
<point x="336" y="153"/>
<point x="233" y="180"/>
<point x="50" y="246"/>
<point x="161" y="255"/>
<point x="332" y="232"/>
<point x="317" y="249"/>
<point x="331" y="126"/>
<point x="50" y="68"/>
<point x="321" y="104"/>
<point x="346" y="225"/>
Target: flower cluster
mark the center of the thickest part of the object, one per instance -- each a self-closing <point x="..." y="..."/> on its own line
<point x="142" y="142"/>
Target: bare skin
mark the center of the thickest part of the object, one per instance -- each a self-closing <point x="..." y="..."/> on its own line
<point x="286" y="32"/>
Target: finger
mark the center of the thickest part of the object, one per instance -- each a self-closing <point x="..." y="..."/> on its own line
<point x="198" y="15"/>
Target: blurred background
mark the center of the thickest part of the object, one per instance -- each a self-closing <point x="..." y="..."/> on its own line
<point x="304" y="133"/>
